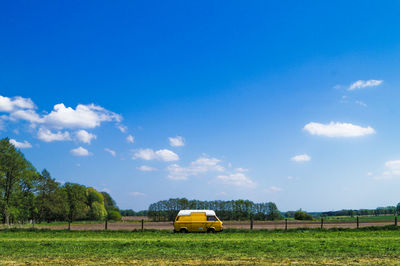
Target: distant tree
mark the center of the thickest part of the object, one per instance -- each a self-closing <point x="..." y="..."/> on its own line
<point x="75" y="196"/>
<point x="114" y="216"/>
<point x="50" y="200"/>
<point x="289" y="214"/>
<point x="302" y="215"/>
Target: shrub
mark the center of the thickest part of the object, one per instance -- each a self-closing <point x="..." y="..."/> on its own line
<point x="302" y="215"/>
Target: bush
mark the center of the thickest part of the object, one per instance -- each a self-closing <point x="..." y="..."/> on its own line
<point x="302" y="215"/>
<point x="114" y="216"/>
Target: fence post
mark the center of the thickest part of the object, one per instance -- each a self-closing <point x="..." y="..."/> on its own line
<point x="358" y="222"/>
<point x="395" y="220"/>
<point x="285" y="224"/>
<point x="142" y="225"/>
<point x="322" y="222"/>
<point x="106" y="225"/>
<point x="251" y="223"/>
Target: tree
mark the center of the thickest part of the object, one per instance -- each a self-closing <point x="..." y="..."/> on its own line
<point x="302" y="215"/>
<point x="49" y="201"/>
<point x="75" y="197"/>
<point x="95" y="202"/>
<point x="17" y="178"/>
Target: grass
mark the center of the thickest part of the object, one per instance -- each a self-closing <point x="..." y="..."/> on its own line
<point x="346" y="246"/>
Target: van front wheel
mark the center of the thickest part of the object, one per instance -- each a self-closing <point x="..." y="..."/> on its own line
<point x="211" y="230"/>
<point x="183" y="231"/>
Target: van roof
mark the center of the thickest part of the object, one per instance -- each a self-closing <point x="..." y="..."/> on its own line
<point x="188" y="212"/>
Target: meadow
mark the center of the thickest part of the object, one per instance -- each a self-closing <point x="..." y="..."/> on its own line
<point x="304" y="246"/>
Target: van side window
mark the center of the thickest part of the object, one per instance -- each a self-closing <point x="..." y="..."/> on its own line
<point x="211" y="218"/>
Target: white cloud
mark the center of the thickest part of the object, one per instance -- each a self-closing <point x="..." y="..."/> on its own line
<point x="200" y="166"/>
<point x="61" y="117"/>
<point x="241" y="170"/>
<point x="20" y="145"/>
<point x="12" y="104"/>
<point x="28" y="115"/>
<point x="161" y="155"/>
<point x="130" y="139"/>
<point x="48" y="136"/>
<point x="84" y="136"/>
<point x="137" y="194"/>
<point x="360" y="84"/>
<point x="113" y="153"/>
<point x="392" y="171"/>
<point x="236" y="179"/>
<point x="145" y="168"/>
<point x="301" y="158"/>
<point x="178" y="141"/>
<point x="80" y="151"/>
<point x="337" y="129"/>
<point x="273" y="189"/>
<point x="83" y="116"/>
<point x="122" y="128"/>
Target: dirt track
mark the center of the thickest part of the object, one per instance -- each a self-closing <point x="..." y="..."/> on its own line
<point x="237" y="225"/>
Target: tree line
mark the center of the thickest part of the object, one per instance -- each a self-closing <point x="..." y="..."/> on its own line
<point x="389" y="210"/>
<point x="27" y="195"/>
<point x="166" y="210"/>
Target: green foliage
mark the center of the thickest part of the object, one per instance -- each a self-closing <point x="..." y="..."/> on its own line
<point x="130" y="212"/>
<point x="27" y="195"/>
<point x="18" y="180"/>
<point x="226" y="210"/>
<point x="97" y="211"/>
<point x="75" y="201"/>
<point x="302" y="215"/>
<point x="114" y="216"/>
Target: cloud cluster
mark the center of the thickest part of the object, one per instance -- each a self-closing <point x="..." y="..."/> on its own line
<point x="301" y="158"/>
<point x="337" y="129"/>
<point x="84" y="136"/>
<point x="178" y="141"/>
<point x="161" y="155"/>
<point x="360" y="84"/>
<point x="54" y="126"/>
<point x="20" y="145"/>
<point x="236" y="179"/>
<point x="80" y="151"/>
<point x="46" y="135"/>
<point x="392" y="171"/>
<point x="16" y="103"/>
<point x="200" y="166"/>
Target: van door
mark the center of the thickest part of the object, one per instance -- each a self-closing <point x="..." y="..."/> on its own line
<point x="198" y="222"/>
<point x="211" y="222"/>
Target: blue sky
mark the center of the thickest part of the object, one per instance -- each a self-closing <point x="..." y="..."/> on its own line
<point x="291" y="102"/>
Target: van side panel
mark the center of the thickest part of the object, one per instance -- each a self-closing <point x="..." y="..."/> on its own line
<point x="198" y="221"/>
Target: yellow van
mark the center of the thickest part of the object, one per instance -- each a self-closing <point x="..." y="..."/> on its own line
<point x="197" y="221"/>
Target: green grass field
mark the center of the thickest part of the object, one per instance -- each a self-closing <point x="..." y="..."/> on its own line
<point x="372" y="245"/>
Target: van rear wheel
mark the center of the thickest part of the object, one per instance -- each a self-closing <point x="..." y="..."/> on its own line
<point x="211" y="230"/>
<point x="183" y="231"/>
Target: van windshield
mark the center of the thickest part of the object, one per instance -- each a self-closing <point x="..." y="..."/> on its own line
<point x="212" y="218"/>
